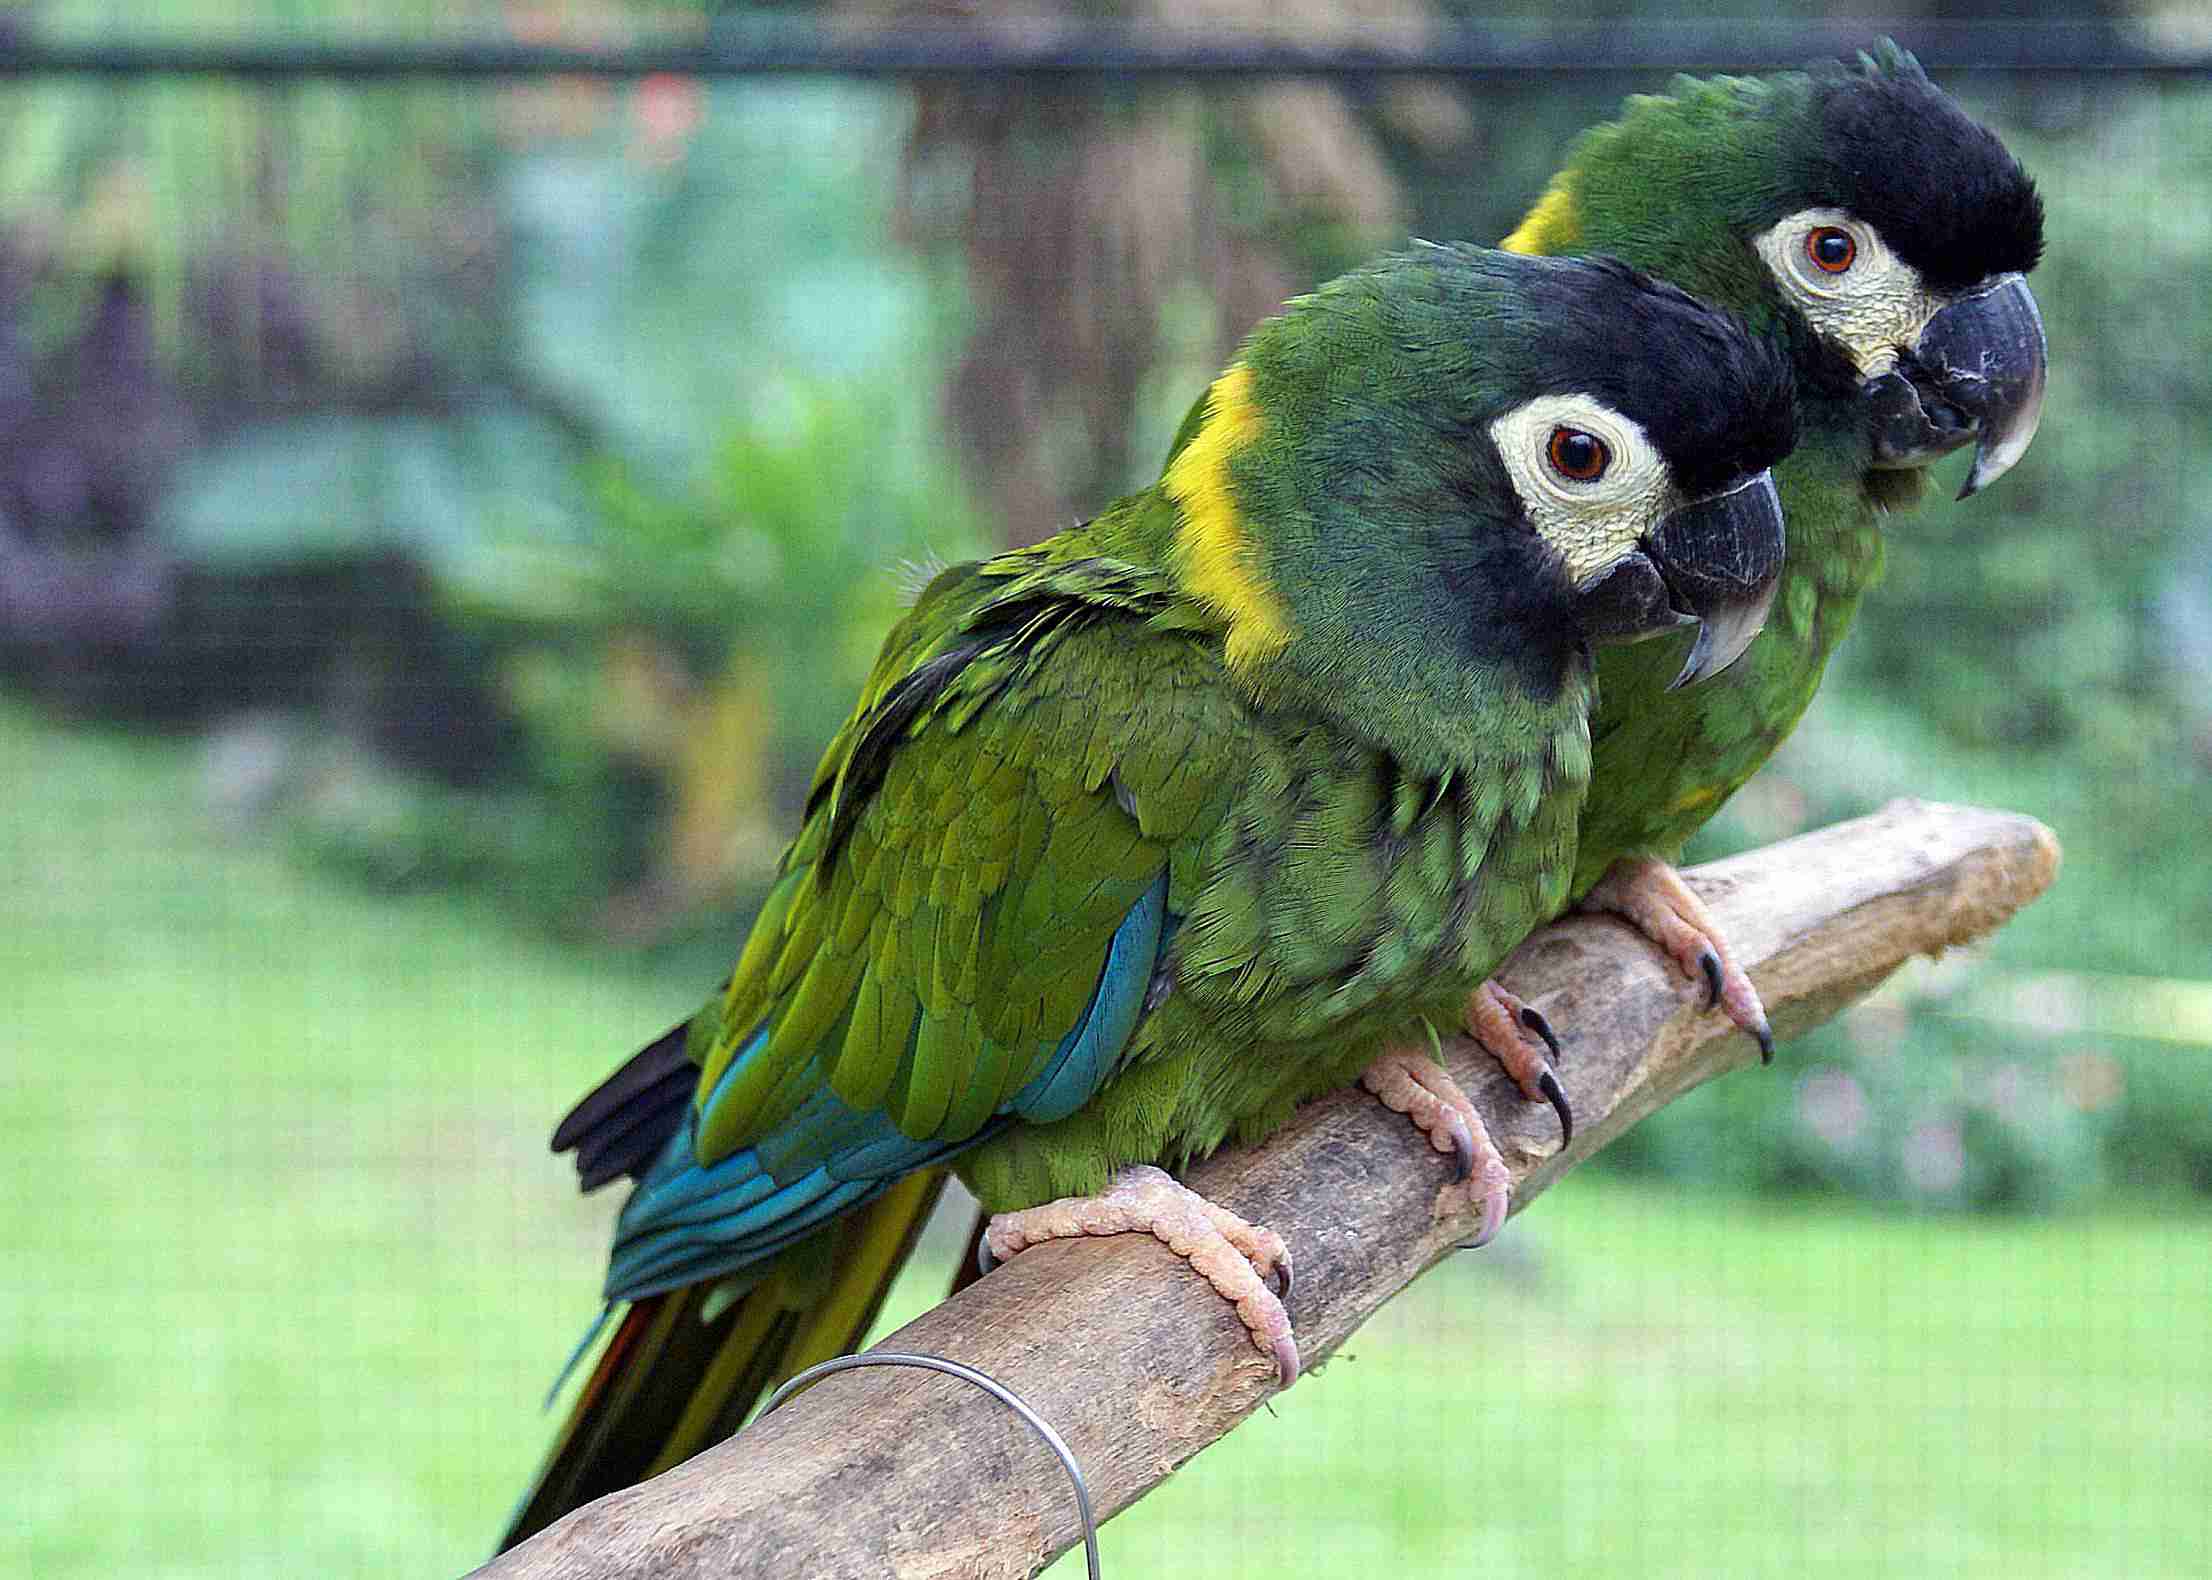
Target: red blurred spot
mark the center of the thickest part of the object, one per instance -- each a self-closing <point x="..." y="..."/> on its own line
<point x="665" y="112"/>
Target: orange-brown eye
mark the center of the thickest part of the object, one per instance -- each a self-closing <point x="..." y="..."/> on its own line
<point x="1831" y="248"/>
<point x="1579" y="456"/>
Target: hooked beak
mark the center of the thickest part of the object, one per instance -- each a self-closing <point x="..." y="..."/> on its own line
<point x="1712" y="564"/>
<point x="1978" y="368"/>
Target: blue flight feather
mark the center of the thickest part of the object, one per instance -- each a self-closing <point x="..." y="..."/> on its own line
<point x="686" y="1222"/>
<point x="1078" y="1067"/>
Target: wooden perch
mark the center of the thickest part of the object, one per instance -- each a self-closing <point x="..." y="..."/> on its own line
<point x="1140" y="1365"/>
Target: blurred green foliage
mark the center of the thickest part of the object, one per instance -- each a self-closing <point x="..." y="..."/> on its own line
<point x="672" y="677"/>
<point x="186" y="184"/>
<point x="661" y="495"/>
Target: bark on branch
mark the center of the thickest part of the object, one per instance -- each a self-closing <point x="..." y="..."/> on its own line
<point x="1140" y="1365"/>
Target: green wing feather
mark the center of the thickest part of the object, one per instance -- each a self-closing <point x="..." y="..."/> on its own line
<point x="1025" y="762"/>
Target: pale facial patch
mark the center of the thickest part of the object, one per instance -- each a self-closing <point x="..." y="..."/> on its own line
<point x="1870" y="308"/>
<point x="1592" y="524"/>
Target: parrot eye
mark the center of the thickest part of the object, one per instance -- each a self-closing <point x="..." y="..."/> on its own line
<point x="1831" y="248"/>
<point x="1578" y="456"/>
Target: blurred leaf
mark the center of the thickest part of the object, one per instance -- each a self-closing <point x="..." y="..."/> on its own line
<point x="448" y="489"/>
<point x="657" y="298"/>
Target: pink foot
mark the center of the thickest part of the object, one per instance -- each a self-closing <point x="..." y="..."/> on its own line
<point x="1230" y="1254"/>
<point x="1415" y="1085"/>
<point x="1522" y="1040"/>
<point x="1654" y="900"/>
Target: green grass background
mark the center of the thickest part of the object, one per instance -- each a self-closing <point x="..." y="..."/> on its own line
<point x="288" y="1268"/>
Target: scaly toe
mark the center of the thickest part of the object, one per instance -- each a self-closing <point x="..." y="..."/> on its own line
<point x="1238" y="1258"/>
<point x="1519" y="1037"/>
<point x="1652" y="898"/>
<point x="1418" y="1087"/>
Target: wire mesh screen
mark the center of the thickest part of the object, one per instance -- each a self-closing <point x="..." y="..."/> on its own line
<point x="444" y="516"/>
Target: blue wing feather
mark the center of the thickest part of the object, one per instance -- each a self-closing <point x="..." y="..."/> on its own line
<point x="685" y="1223"/>
<point x="1080" y="1065"/>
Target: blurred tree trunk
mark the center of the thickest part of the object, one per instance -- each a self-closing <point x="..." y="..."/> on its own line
<point x="1097" y="226"/>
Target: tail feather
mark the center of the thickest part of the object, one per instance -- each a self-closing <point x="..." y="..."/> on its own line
<point x="618" y="1116"/>
<point x="683" y="1371"/>
<point x="878" y="1240"/>
<point x="618" y="1419"/>
<point x="741" y="1373"/>
<point x="612" y="1150"/>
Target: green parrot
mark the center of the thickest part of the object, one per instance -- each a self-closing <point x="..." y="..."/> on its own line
<point x="1143" y="835"/>
<point x="1860" y="222"/>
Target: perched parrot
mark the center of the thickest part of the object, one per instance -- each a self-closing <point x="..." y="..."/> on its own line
<point x="1860" y="222"/>
<point x="1141" y="836"/>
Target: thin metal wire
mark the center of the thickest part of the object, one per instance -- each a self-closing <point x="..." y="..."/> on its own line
<point x="990" y="1385"/>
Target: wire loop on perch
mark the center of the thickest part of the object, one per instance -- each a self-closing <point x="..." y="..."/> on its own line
<point x="990" y="1385"/>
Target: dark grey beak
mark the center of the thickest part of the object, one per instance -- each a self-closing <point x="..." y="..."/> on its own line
<point x="1978" y="369"/>
<point x="1713" y="564"/>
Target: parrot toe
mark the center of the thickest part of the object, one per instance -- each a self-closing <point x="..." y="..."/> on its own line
<point x="1238" y="1258"/>
<point x="1520" y="1038"/>
<point x="1415" y="1085"/>
<point x="1418" y="1087"/>
<point x="1652" y="898"/>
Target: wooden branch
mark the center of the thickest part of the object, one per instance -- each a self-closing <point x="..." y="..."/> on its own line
<point x="1140" y="1365"/>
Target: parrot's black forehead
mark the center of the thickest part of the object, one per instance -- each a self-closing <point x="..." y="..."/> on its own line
<point x="1942" y="190"/>
<point x="1717" y="401"/>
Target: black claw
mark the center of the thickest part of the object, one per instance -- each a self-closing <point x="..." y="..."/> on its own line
<point x="1765" y="1034"/>
<point x="984" y="1261"/>
<point x="1282" y="1281"/>
<point x="1535" y="1022"/>
<point x="1556" y="1095"/>
<point x="1463" y="1148"/>
<point x="1709" y="963"/>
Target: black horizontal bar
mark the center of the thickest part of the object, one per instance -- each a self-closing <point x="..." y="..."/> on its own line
<point x="1122" y="53"/>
